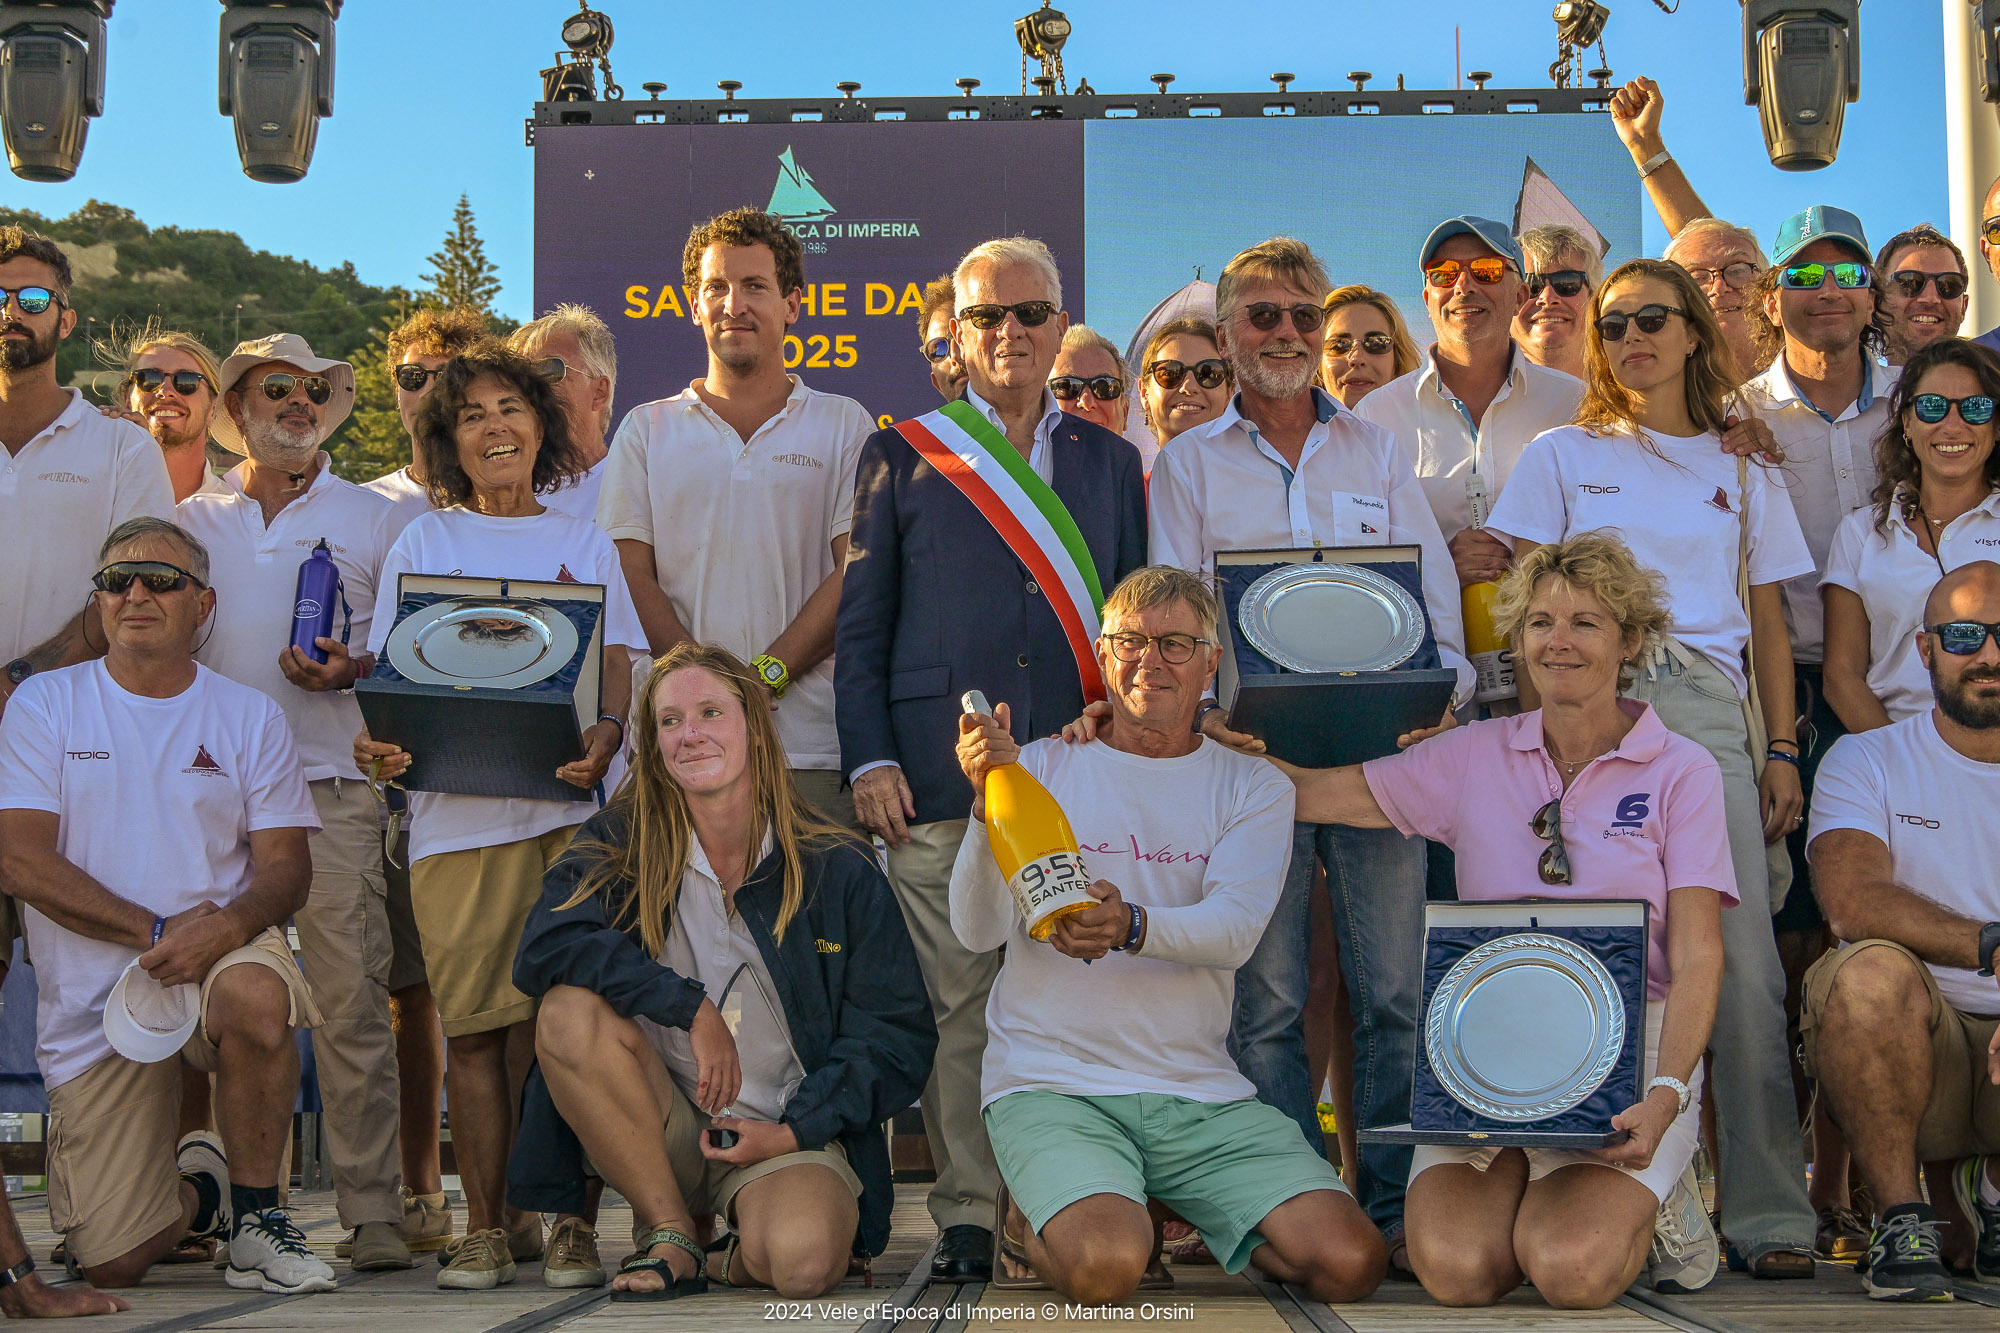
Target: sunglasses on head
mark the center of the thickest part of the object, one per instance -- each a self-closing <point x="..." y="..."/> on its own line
<point x="32" y="300"/>
<point x="1547" y="824"/>
<point x="278" y="386"/>
<point x="1375" y="344"/>
<point x="157" y="575"/>
<point x="1739" y="274"/>
<point x="1973" y="409"/>
<point x="1911" y="282"/>
<point x="1811" y="277"/>
<point x="1566" y="281"/>
<point x="936" y="350"/>
<point x="1104" y="388"/>
<point x="1209" y="373"/>
<point x="185" y="382"/>
<point x="1650" y="319"/>
<point x="1263" y="316"/>
<point x="1963" y="638"/>
<point x="1032" y="314"/>
<point x="1486" y="270"/>
<point x="411" y="377"/>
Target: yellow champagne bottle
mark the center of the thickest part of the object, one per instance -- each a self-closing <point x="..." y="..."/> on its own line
<point x="1032" y="843"/>
<point x="1492" y="656"/>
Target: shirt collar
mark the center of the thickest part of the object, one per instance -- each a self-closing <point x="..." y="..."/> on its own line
<point x="698" y="859"/>
<point x="1325" y="406"/>
<point x="232" y="480"/>
<point x="1051" y="413"/>
<point x="690" y="398"/>
<point x="1643" y="743"/>
<point x="1428" y="372"/>
<point x="1990" y="506"/>
<point x="1778" y="384"/>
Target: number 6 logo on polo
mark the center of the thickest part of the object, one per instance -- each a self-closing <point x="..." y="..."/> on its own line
<point x="1048" y="887"/>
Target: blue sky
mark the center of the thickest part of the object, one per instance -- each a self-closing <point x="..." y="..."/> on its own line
<point x="431" y="95"/>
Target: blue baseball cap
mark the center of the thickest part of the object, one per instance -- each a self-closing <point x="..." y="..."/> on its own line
<point x="1495" y="236"/>
<point x="1821" y="222"/>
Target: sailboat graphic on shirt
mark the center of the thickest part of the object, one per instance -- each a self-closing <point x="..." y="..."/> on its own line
<point x="204" y="764"/>
<point x="795" y="198"/>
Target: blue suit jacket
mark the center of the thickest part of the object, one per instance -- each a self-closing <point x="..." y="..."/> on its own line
<point x="933" y="603"/>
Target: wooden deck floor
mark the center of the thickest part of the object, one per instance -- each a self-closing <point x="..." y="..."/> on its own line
<point x="183" y="1299"/>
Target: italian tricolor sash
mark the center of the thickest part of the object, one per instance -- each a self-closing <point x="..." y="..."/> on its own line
<point x="1028" y="515"/>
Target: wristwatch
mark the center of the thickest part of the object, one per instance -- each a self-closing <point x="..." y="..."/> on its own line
<point x="1989" y="940"/>
<point x="1681" y="1092"/>
<point x="772" y="672"/>
<point x="19" y="670"/>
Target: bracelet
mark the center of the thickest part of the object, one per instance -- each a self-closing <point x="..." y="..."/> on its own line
<point x="9" y="1276"/>
<point x="1781" y="757"/>
<point x="1131" y="933"/>
<point x="159" y="928"/>
<point x="1782" y="741"/>
<point x="613" y="717"/>
<point x="1654" y="163"/>
<point x="1201" y="714"/>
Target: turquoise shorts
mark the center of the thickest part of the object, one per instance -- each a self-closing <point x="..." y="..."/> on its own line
<point x="1221" y="1165"/>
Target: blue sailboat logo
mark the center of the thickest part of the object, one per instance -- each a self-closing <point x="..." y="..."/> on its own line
<point x="795" y="198"/>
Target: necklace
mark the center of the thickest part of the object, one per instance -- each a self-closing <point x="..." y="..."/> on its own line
<point x="1568" y="768"/>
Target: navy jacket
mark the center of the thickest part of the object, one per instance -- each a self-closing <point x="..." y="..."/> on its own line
<point x="847" y="981"/>
<point x="934" y="603"/>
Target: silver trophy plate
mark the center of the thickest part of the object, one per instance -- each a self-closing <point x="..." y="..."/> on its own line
<point x="481" y="641"/>
<point x="1327" y="617"/>
<point x="1524" y="1027"/>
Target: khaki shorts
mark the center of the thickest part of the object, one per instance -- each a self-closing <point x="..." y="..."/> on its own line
<point x="470" y="907"/>
<point x="1962" y="1117"/>
<point x="113" y="1181"/>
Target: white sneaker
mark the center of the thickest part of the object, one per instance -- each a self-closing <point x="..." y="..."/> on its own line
<point x="1685" y="1253"/>
<point x="269" y="1253"/>
<point x="200" y="1154"/>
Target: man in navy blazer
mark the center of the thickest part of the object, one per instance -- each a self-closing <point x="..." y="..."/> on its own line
<point x="933" y="603"/>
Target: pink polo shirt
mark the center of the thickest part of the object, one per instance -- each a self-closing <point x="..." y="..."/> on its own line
<point x="1638" y="822"/>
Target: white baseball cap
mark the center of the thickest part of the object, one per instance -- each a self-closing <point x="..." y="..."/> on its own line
<point x="147" y="1022"/>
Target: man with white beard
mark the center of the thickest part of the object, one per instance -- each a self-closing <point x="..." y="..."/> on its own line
<point x="279" y="403"/>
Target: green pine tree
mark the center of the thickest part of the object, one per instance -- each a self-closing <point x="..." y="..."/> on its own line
<point x="372" y="443"/>
<point x="461" y="275"/>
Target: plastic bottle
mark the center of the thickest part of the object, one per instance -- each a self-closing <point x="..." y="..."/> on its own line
<point x="312" y="606"/>
<point x="1032" y="843"/>
<point x="1492" y="656"/>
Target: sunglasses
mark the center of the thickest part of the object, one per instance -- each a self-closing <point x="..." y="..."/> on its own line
<point x="1990" y="229"/>
<point x="1973" y="409"/>
<point x="32" y="300"/>
<point x="157" y="575"/>
<point x="1811" y="277"/>
<point x="1444" y="273"/>
<point x="1263" y="316"/>
<point x="1963" y="638"/>
<point x="552" y="369"/>
<point x="1175" y="648"/>
<point x="1547" y="824"/>
<point x="1650" y="319"/>
<point x="1032" y="314"/>
<point x="1375" y="344"/>
<point x="1104" y="388"/>
<point x="936" y="350"/>
<point x="185" y="382"/>
<point x="1739" y="274"/>
<point x="411" y="377"/>
<point x="1566" y="281"/>
<point x="1911" y="281"/>
<point x="1209" y="373"/>
<point x="278" y="386"/>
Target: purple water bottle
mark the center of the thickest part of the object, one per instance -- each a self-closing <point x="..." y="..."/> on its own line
<point x="312" y="607"/>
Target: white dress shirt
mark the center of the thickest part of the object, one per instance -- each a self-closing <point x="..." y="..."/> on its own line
<point x="1042" y="457"/>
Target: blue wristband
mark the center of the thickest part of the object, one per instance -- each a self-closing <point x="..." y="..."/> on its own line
<point x="1781" y="757"/>
<point x="1131" y="934"/>
<point x="159" y="928"/>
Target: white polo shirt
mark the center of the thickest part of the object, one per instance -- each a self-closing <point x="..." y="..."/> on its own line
<point x="156" y="800"/>
<point x="580" y="500"/>
<point x="742" y="531"/>
<point x="1933" y="809"/>
<point x="402" y="490"/>
<point x="1892" y="576"/>
<point x="1438" y="438"/>
<point x="60" y="496"/>
<point x="1221" y="486"/>
<point x="255" y="572"/>
<point x="1680" y="514"/>
<point x="1829" y="470"/>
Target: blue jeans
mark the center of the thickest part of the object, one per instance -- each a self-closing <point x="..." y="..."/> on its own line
<point x="1376" y="879"/>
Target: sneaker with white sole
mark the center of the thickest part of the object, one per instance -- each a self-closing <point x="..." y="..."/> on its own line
<point x="1686" y="1252"/>
<point x="1905" y="1260"/>
<point x="1984" y="1216"/>
<point x="573" y="1259"/>
<point x="269" y="1253"/>
<point x="199" y="1155"/>
<point x="478" y="1261"/>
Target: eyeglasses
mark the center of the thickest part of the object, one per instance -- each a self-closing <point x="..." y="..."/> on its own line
<point x="1963" y="638"/>
<point x="1104" y="388"/>
<point x="157" y="575"/>
<point x="1739" y="274"/>
<point x="32" y="300"/>
<point x="1487" y="271"/>
<point x="1650" y="319"/>
<point x="1973" y="409"/>
<point x="278" y="386"/>
<point x="1911" y="281"/>
<point x="412" y="377"/>
<point x="1032" y="314"/>
<point x="1566" y="281"/>
<point x="1263" y="316"/>
<point x="1547" y="824"/>
<point x="936" y="350"/>
<point x="1811" y="277"/>
<point x="1208" y="373"/>
<point x="185" y="382"/>
<point x="1174" y="648"/>
<point x="1375" y="344"/>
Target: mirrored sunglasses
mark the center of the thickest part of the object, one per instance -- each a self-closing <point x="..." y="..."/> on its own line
<point x="411" y="377"/>
<point x="1963" y="638"/>
<point x="1973" y="409"/>
<point x="1810" y="277"/>
<point x="185" y="382"/>
<point x="1104" y="388"/>
<point x="1375" y="344"/>
<point x="278" y="386"/>
<point x="157" y="575"/>
<point x="1486" y="270"/>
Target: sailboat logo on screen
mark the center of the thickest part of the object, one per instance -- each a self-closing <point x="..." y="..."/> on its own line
<point x="797" y="202"/>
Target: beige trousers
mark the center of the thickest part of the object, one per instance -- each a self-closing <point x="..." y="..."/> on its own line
<point x="821" y="788"/>
<point x="968" y="1181"/>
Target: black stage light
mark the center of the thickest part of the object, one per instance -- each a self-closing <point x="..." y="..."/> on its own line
<point x="1986" y="18"/>
<point x="275" y="63"/>
<point x="51" y="82"/>
<point x="1801" y="67"/>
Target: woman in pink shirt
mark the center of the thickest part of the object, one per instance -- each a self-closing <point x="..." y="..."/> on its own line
<point x="1589" y="796"/>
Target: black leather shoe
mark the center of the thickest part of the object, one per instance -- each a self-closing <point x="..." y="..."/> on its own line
<point x="965" y="1255"/>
